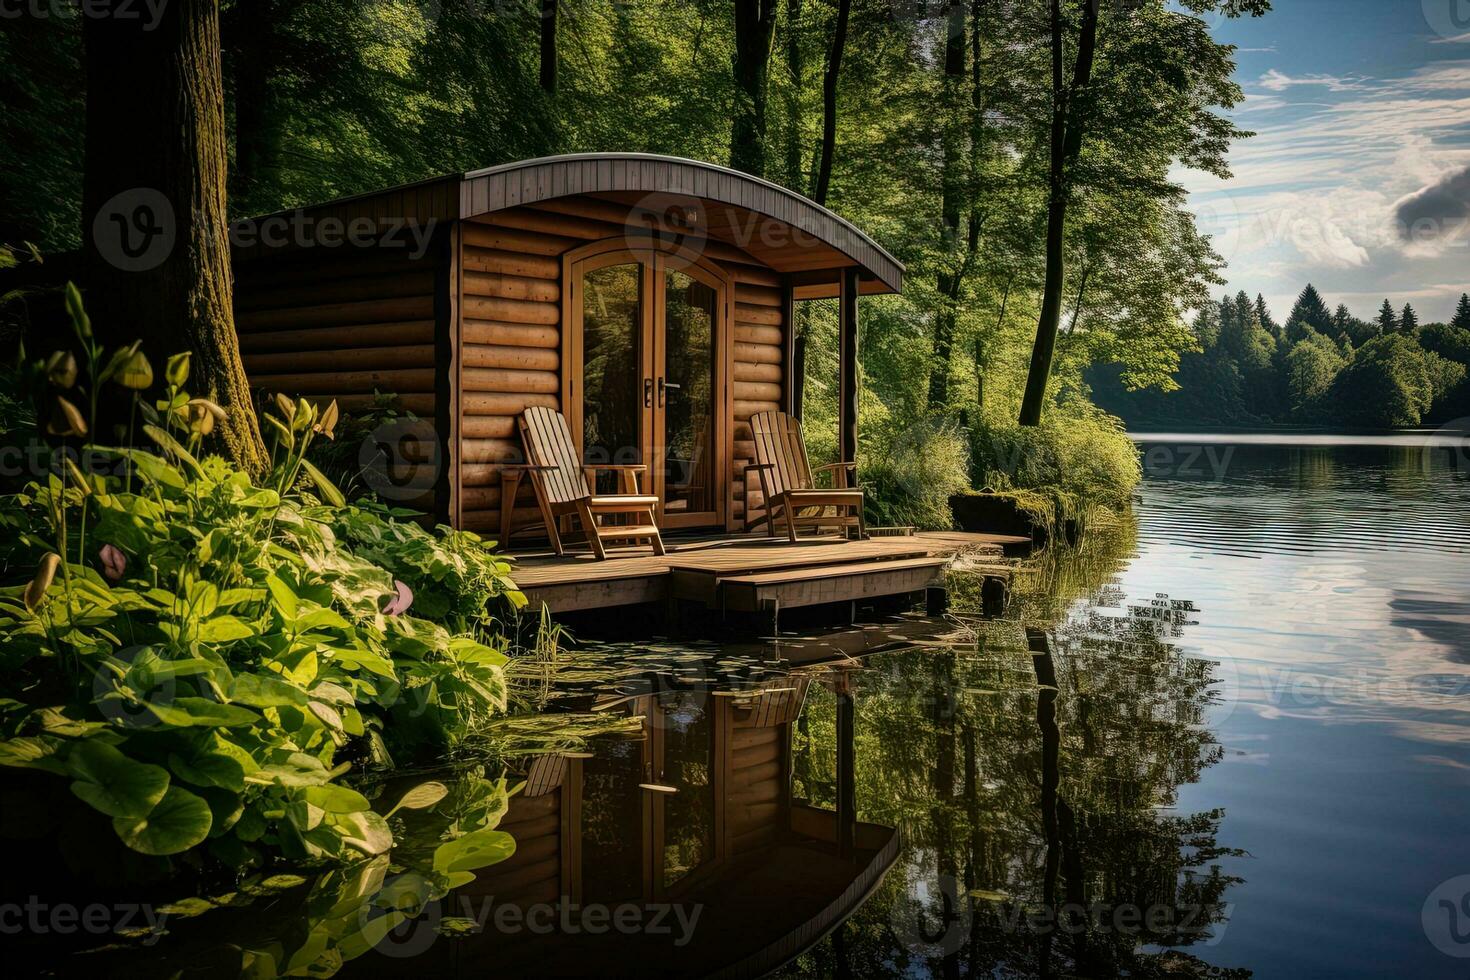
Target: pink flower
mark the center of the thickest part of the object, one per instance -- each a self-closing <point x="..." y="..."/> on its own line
<point x="398" y="603"/>
<point x="114" y="562"/>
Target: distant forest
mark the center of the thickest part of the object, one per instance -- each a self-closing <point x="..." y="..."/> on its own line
<point x="1322" y="367"/>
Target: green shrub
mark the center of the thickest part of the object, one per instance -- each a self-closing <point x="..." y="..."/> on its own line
<point x="1079" y="454"/>
<point x="202" y="657"/>
<point x="909" y="475"/>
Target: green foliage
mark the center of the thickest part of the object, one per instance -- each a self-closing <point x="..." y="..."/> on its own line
<point x="1393" y="382"/>
<point x="1311" y="364"/>
<point x="909" y="475"/>
<point x="1078" y="451"/>
<point x="203" y="657"/>
<point x="1342" y="372"/>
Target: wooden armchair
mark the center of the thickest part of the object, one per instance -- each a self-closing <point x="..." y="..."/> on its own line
<point x="566" y="487"/>
<point x="786" y="481"/>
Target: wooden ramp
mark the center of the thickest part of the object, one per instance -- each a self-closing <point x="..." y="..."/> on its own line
<point x="749" y="573"/>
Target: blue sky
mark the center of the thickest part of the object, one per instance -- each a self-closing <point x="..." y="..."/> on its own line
<point x="1358" y="179"/>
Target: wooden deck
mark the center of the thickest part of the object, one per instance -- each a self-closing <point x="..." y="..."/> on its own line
<point x="751" y="573"/>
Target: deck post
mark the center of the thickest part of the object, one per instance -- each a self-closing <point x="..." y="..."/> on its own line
<point x="846" y="764"/>
<point x="793" y="353"/>
<point x="847" y="371"/>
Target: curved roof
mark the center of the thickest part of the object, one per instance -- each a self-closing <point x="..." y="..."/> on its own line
<point x="633" y="177"/>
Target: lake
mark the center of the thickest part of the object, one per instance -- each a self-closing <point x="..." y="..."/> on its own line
<point x="1315" y="809"/>
<point x="1228" y="736"/>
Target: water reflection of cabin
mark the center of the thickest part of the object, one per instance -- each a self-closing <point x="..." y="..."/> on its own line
<point x="649" y="298"/>
<point x="699" y="812"/>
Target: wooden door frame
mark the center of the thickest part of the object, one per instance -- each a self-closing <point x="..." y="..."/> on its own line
<point x="653" y="255"/>
<point x="655" y="830"/>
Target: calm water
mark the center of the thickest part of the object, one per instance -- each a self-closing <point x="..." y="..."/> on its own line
<point x="1310" y="813"/>
<point x="1230" y="737"/>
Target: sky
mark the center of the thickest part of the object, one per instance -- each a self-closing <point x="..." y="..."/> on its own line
<point x="1358" y="177"/>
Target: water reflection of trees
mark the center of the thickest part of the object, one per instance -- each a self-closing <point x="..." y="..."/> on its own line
<point x="1034" y="774"/>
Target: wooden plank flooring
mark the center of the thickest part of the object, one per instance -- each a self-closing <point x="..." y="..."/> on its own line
<point x="694" y="568"/>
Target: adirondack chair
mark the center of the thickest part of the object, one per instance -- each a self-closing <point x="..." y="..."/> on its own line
<point x="566" y="487"/>
<point x="786" y="481"/>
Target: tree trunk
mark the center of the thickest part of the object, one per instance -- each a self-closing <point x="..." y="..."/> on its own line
<point x="548" y="46"/>
<point x="755" y="22"/>
<point x="829" y="102"/>
<point x="1066" y="143"/>
<point x="953" y="186"/>
<point x="153" y="201"/>
<point x="796" y="69"/>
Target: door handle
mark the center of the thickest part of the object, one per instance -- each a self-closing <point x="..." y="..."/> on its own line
<point x="663" y="388"/>
<point x="647" y="392"/>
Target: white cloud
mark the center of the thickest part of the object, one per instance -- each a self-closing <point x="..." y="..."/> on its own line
<point x="1315" y="191"/>
<point x="1278" y="81"/>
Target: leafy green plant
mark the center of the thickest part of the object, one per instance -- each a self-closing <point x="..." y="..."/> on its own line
<point x="203" y="658"/>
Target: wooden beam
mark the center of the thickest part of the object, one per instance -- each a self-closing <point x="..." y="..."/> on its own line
<point x="792" y="387"/>
<point x="846" y="766"/>
<point x="847" y="360"/>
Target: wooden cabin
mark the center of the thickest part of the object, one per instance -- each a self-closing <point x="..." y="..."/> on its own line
<point x="648" y="298"/>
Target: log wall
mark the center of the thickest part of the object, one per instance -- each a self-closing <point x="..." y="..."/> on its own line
<point x="350" y="324"/>
<point x="755" y="800"/>
<point x="513" y="346"/>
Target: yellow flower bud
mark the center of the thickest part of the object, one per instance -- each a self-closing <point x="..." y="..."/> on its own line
<point x="45" y="573"/>
<point x="61" y="369"/>
<point x="135" y="373"/>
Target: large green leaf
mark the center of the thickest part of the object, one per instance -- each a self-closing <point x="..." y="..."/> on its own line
<point x="474" y="850"/>
<point x="421" y="797"/>
<point x="177" y="823"/>
<point x="182" y="712"/>
<point x="113" y="783"/>
<point x="365" y="830"/>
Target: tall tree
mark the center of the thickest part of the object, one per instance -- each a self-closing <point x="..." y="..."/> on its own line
<point x="1409" y="320"/>
<point x="1462" y="313"/>
<point x="1149" y="47"/>
<point x="1388" y="320"/>
<point x="755" y="26"/>
<point x="548" y="45"/>
<point x="829" y="102"/>
<point x="1065" y="145"/>
<point x="1264" y="315"/>
<point x="153" y="196"/>
<point x="955" y="255"/>
<point x="796" y="70"/>
<point x="1311" y="310"/>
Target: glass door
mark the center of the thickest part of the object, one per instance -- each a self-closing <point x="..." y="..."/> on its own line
<point x="645" y="341"/>
<point x="615" y="390"/>
<point x="686" y="351"/>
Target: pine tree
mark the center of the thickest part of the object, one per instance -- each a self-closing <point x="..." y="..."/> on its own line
<point x="1342" y="321"/>
<point x="1264" y="315"/>
<point x="1388" y="321"/>
<point x="1462" y="313"/>
<point x="1409" y="320"/>
<point x="1312" y="310"/>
